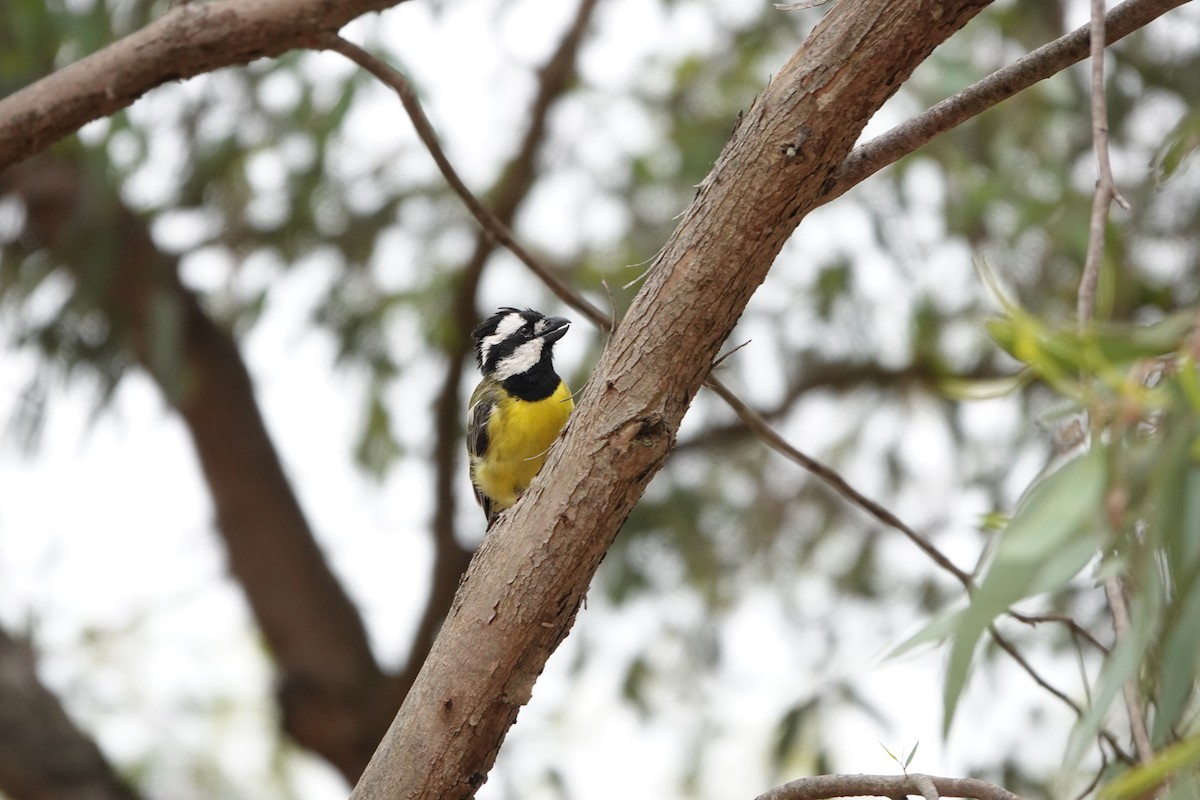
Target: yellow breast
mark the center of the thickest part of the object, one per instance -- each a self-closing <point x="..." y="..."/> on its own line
<point x="519" y="436"/>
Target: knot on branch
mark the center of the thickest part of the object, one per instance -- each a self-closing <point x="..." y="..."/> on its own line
<point x="793" y="148"/>
<point x="651" y="431"/>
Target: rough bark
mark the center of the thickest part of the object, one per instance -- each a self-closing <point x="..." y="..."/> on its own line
<point x="189" y="39"/>
<point x="43" y="756"/>
<point x="521" y="593"/>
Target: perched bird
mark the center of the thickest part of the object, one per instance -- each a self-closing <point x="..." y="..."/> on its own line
<point x="518" y="409"/>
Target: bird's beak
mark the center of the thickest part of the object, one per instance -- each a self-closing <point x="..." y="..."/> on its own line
<point x="556" y="328"/>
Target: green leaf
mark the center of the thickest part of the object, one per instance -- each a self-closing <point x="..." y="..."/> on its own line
<point x="939" y="629"/>
<point x="1176" y="522"/>
<point x="789" y="733"/>
<point x="1177" y="147"/>
<point x="1047" y="542"/>
<point x="1057" y="352"/>
<point x="911" y="755"/>
<point x="1147" y="776"/>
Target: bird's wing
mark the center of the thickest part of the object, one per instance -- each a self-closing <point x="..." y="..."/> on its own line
<point x="482" y="402"/>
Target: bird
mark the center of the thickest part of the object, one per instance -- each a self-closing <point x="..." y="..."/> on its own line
<point x="518" y="409"/>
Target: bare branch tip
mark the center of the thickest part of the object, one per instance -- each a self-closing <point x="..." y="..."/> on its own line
<point x="717" y="363"/>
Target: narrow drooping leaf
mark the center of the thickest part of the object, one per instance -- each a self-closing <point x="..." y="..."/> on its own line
<point x="1048" y="541"/>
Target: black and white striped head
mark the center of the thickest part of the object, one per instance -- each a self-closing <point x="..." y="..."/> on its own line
<point x="513" y="343"/>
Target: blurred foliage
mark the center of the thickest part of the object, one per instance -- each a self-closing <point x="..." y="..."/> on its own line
<point x="253" y="176"/>
<point x="1130" y="503"/>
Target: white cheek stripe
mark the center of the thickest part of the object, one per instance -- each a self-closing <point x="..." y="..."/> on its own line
<point x="521" y="359"/>
<point x="507" y="327"/>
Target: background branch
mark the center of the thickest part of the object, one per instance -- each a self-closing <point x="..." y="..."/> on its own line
<point x="42" y="753"/>
<point x="334" y="697"/>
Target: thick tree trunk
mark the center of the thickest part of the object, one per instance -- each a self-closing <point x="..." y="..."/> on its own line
<point x="42" y="753"/>
<point x="334" y="697"/>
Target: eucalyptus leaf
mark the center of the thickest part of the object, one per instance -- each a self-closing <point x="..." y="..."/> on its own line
<point x="1046" y="543"/>
<point x="1147" y="776"/>
<point x="939" y="629"/>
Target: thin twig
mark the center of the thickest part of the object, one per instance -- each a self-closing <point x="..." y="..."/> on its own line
<point x="717" y="362"/>
<point x="1106" y="187"/>
<point x="1115" y="593"/>
<point x="1033" y="620"/>
<point x="1016" y="655"/>
<point x="614" y="315"/>
<point x="494" y="226"/>
<point x="835" y="481"/>
<point x="1106" y="192"/>
<point x="1099" y="774"/>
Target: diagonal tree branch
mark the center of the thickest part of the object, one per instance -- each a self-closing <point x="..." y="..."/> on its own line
<point x="189" y="39"/>
<point x="520" y="595"/>
<point x="1042" y="63"/>
<point x="42" y="753"/>
<point x="837" y="377"/>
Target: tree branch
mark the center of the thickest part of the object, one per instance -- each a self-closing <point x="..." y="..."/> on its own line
<point x="42" y="753"/>
<point x="772" y="439"/>
<point x="826" y="787"/>
<point x="1042" y="63"/>
<point x="1114" y="591"/>
<point x="523" y="588"/>
<point x="837" y="376"/>
<point x="334" y="697"/>
<point x="189" y="39"/>
<point x="1103" y="197"/>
